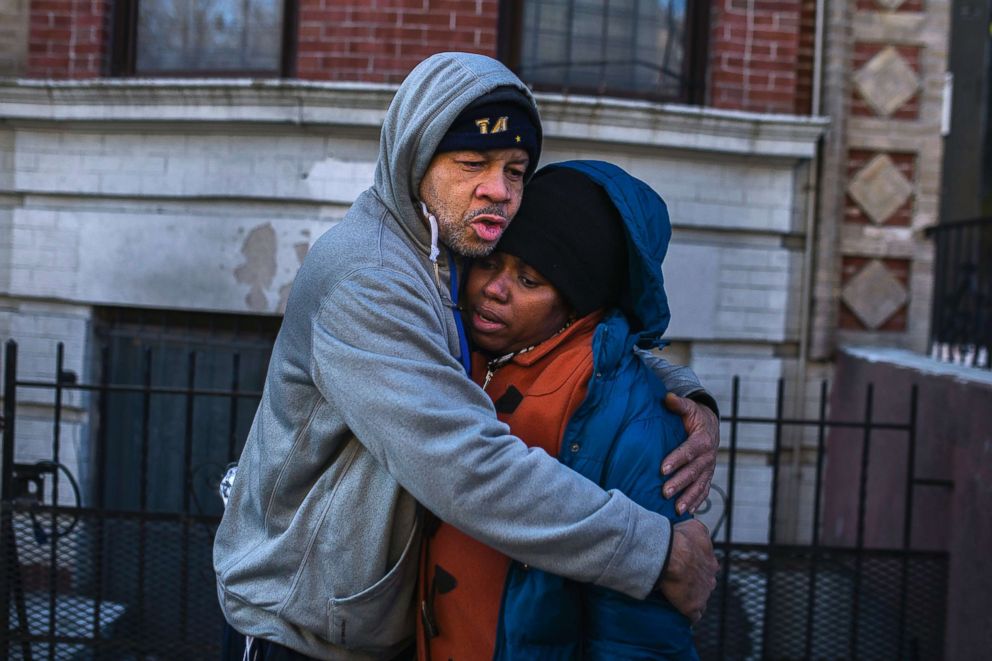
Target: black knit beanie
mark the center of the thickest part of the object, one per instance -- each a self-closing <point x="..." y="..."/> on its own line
<point x="501" y="119"/>
<point x="570" y="231"/>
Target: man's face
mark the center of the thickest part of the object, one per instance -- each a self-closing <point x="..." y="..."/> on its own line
<point x="474" y="195"/>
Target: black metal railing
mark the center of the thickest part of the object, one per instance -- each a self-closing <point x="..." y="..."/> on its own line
<point x="118" y="564"/>
<point x="122" y="568"/>
<point x="961" y="327"/>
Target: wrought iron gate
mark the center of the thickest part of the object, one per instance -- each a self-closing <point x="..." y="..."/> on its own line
<point x="87" y="574"/>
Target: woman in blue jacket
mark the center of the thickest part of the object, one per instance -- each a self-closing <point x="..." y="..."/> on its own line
<point x="555" y="314"/>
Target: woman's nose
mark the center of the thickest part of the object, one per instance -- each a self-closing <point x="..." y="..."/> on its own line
<point x="496" y="287"/>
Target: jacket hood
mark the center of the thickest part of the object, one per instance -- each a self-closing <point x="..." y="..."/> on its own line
<point x="648" y="230"/>
<point x="426" y="104"/>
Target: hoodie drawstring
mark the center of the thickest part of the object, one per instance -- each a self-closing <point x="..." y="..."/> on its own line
<point x="435" y="251"/>
<point x="466" y="357"/>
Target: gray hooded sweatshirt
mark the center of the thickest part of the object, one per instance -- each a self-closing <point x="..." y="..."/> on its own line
<point x="366" y="410"/>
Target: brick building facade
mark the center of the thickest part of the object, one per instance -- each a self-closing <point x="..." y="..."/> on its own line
<point x="796" y="142"/>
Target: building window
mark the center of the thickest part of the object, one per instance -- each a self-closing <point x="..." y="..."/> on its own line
<point x="644" y="48"/>
<point x="203" y="38"/>
<point x="169" y="352"/>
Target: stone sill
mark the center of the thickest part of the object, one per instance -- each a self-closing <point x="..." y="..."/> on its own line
<point x="920" y="363"/>
<point x="310" y="103"/>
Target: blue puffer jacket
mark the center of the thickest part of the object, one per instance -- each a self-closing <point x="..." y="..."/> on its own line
<point x="623" y="431"/>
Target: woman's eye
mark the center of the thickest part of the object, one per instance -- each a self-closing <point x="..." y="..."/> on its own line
<point x="528" y="282"/>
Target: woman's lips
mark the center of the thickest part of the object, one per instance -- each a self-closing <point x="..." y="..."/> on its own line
<point x="484" y="320"/>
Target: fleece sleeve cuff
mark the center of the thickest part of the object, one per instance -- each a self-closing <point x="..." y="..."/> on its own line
<point x="641" y="556"/>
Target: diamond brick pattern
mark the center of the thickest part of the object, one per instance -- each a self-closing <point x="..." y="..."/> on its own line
<point x="880" y="188"/>
<point x="874" y="295"/>
<point x="886" y="81"/>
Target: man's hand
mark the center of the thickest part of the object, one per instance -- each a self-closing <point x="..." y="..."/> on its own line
<point x="695" y="460"/>
<point x="690" y="575"/>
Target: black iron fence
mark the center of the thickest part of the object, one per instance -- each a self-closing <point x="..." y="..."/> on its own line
<point x="116" y="563"/>
<point x="961" y="329"/>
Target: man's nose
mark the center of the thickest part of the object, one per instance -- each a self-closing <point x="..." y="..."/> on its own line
<point x="493" y="186"/>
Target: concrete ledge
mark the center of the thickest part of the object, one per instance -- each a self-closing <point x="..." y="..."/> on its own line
<point x="680" y="127"/>
<point x="920" y="363"/>
<point x="585" y="118"/>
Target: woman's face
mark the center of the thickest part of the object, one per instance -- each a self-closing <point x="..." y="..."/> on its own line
<point x="509" y="306"/>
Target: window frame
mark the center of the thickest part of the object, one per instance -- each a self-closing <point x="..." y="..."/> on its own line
<point x="124" y="48"/>
<point x="694" y="61"/>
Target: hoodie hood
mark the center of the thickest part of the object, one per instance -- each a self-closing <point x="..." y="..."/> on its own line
<point x="648" y="230"/>
<point x="426" y="104"/>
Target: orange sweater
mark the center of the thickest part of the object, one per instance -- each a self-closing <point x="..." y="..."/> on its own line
<point x="461" y="579"/>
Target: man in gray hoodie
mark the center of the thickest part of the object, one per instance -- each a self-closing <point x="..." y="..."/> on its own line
<point x="367" y="412"/>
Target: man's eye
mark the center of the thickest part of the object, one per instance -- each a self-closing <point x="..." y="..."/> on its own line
<point x="472" y="165"/>
<point x="516" y="173"/>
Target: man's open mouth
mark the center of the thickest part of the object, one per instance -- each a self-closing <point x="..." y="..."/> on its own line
<point x="489" y="228"/>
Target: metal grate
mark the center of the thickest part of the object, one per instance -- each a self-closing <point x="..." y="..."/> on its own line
<point x="127" y="572"/>
<point x="107" y="586"/>
<point x="810" y="596"/>
<point x="961" y="330"/>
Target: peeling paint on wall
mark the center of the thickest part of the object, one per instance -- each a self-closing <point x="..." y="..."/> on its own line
<point x="259" y="267"/>
<point x="301" y="248"/>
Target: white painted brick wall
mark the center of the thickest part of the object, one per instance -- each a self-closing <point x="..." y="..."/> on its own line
<point x="153" y="259"/>
<point x="215" y="165"/>
<point x="35" y="437"/>
<point x="158" y="214"/>
<point x="752" y="490"/>
<point x="38" y="327"/>
<point x="723" y="292"/>
<point x="704" y="190"/>
<point x="6" y="246"/>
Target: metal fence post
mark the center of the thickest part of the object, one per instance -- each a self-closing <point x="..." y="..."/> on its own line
<point x="821" y="429"/>
<point x="907" y="532"/>
<point x="6" y="481"/>
<point x="862" y="504"/>
<point x="772" y="518"/>
<point x="53" y="558"/>
<point x="10" y="573"/>
<point x="9" y="406"/>
<point x="729" y="508"/>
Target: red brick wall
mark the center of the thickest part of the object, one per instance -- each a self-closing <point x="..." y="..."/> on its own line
<point x="760" y="50"/>
<point x="68" y="38"/>
<point x="755" y="55"/>
<point x="361" y="40"/>
<point x="381" y="40"/>
<point x="804" y="62"/>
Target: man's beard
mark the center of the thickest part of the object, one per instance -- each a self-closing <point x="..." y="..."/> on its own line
<point x="461" y="237"/>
